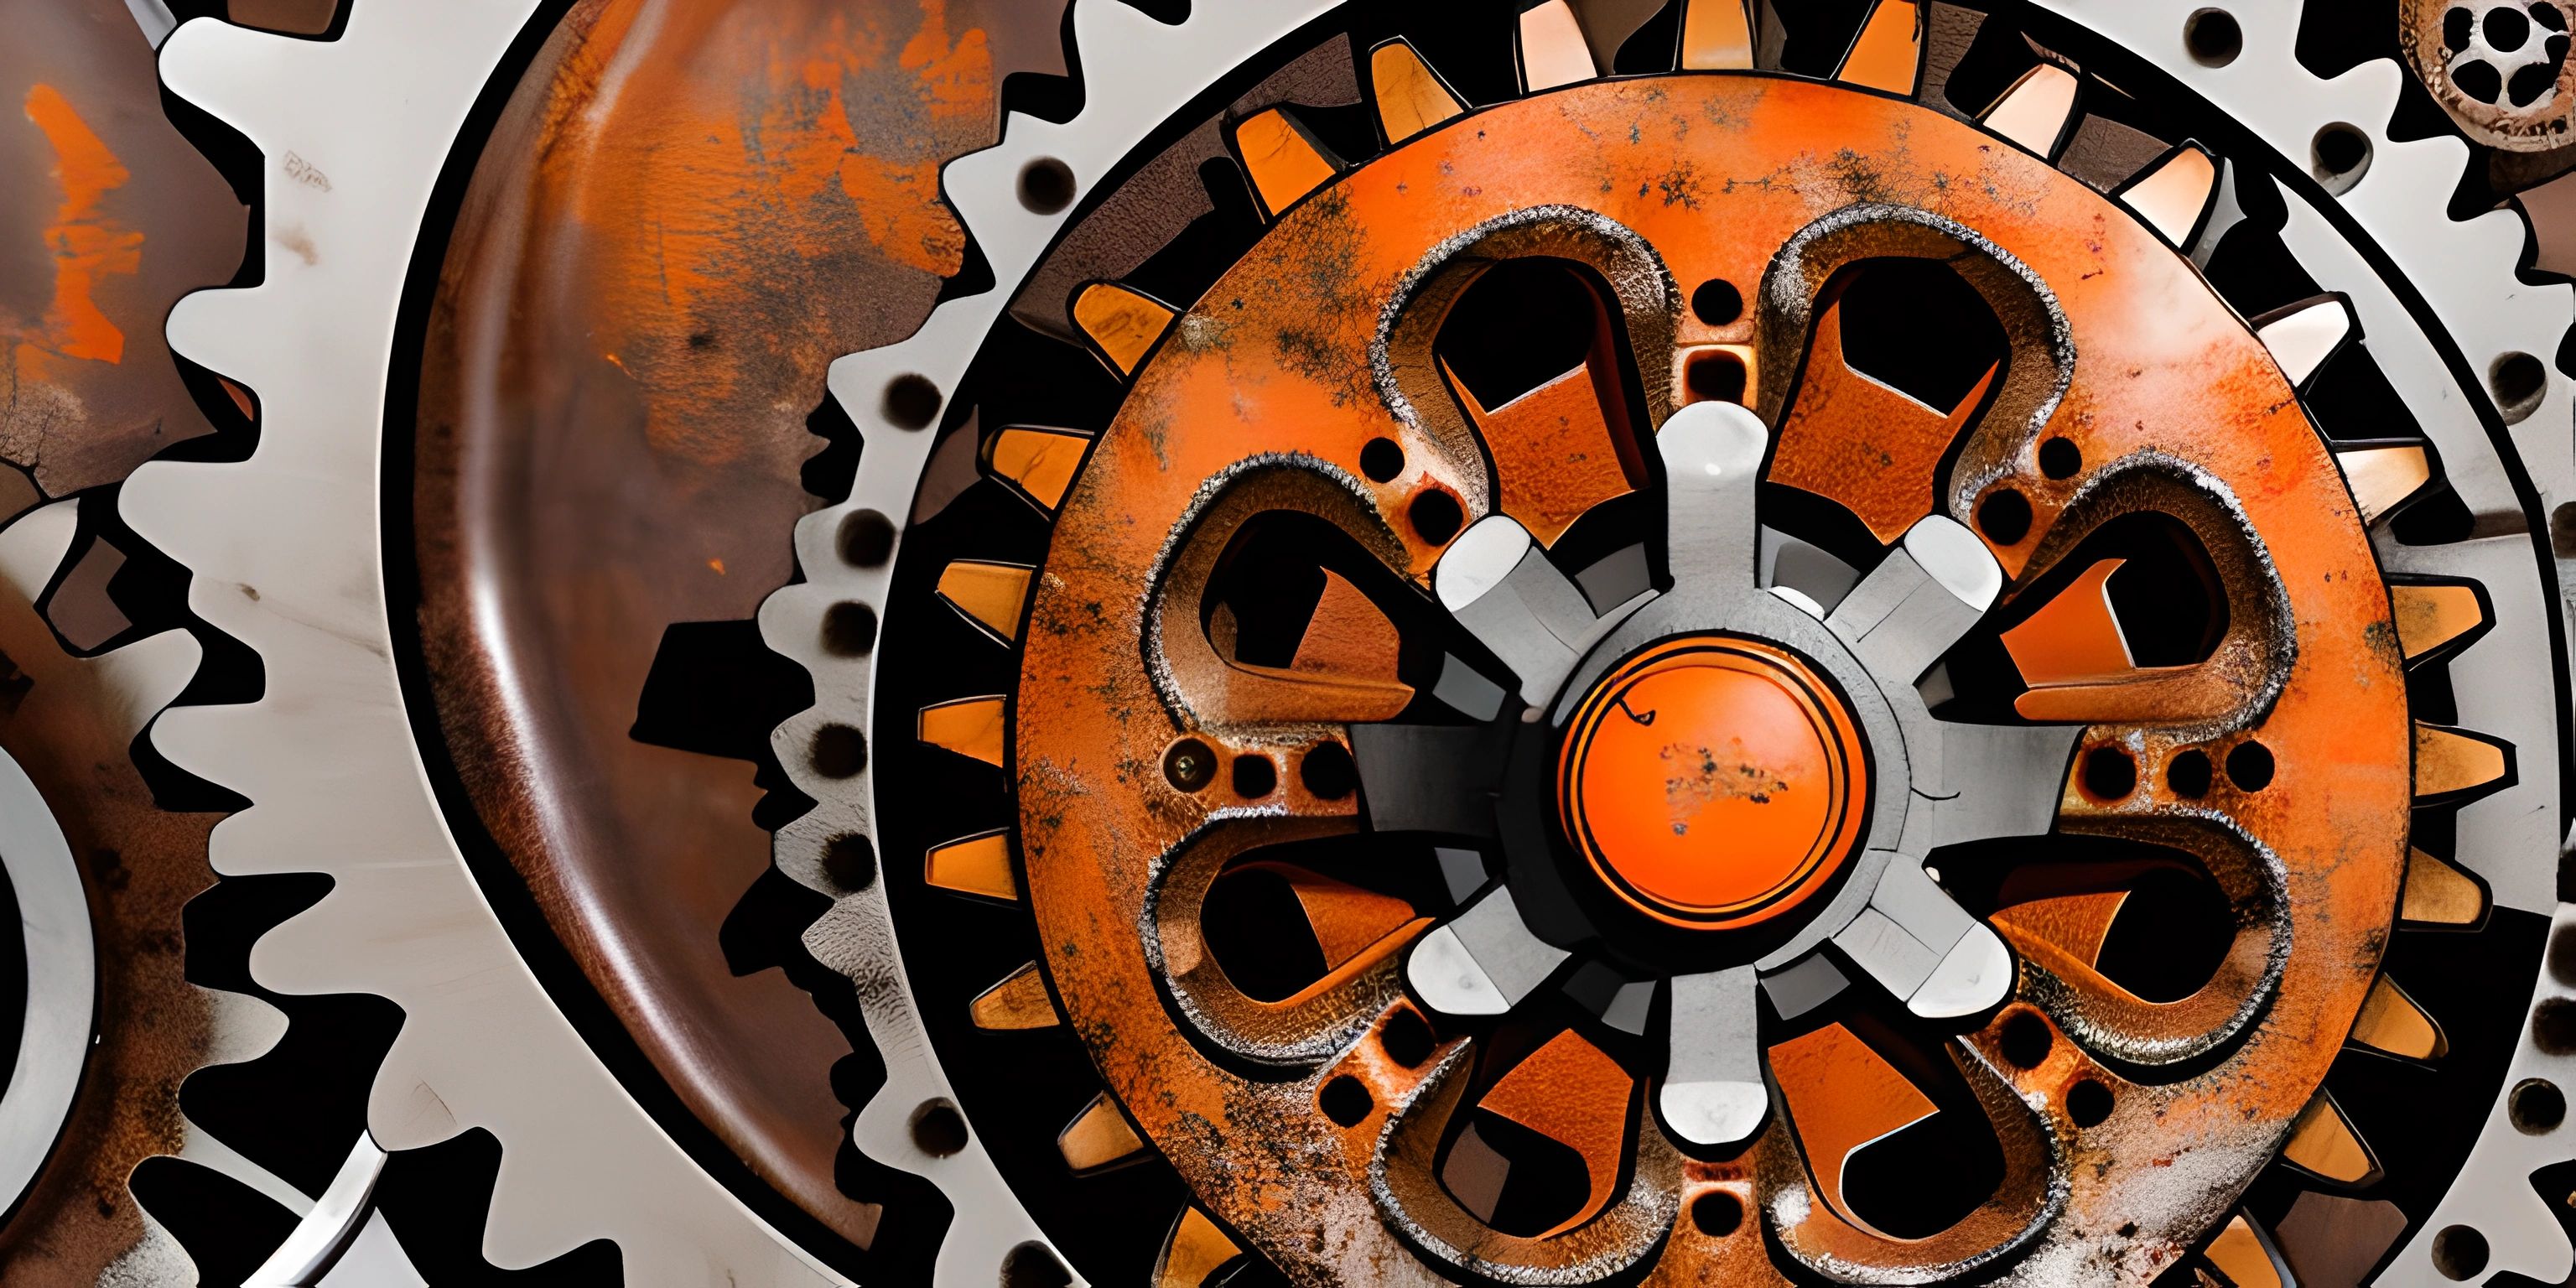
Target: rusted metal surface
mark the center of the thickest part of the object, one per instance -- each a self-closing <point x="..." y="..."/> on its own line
<point x="688" y="209"/>
<point x="112" y="216"/>
<point x="1268" y="378"/>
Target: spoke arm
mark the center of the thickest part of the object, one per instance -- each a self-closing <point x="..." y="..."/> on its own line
<point x="1483" y="962"/>
<point x="1926" y="594"/>
<point x="1989" y="781"/>
<point x="1428" y="778"/>
<point x="1924" y="948"/>
<point x="1499" y="586"/>
<point x="1713" y="1092"/>
<point x="1712" y="465"/>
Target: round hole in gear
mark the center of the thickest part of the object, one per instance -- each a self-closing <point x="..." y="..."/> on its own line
<point x="911" y="402"/>
<point x="866" y="539"/>
<point x="2338" y="156"/>
<point x="1381" y="459"/>
<point x="2519" y="381"/>
<point x="2060" y="458"/>
<point x="2088" y="1103"/>
<point x="1346" y="1100"/>
<point x="838" y="751"/>
<point x="2109" y="774"/>
<point x="1406" y="1039"/>
<point x="849" y="629"/>
<point x="2553" y="1026"/>
<point x="1436" y="516"/>
<point x="2189" y="774"/>
<point x="2004" y="516"/>
<point x="850" y="862"/>
<point x="2250" y="766"/>
<point x="1327" y="771"/>
<point x="2213" y="37"/>
<point x="2026" y="1040"/>
<point x="1717" y="1214"/>
<point x="1046" y="186"/>
<point x="1255" y="777"/>
<point x="1717" y="302"/>
<point x="2536" y="1106"/>
<point x="938" y="1129"/>
<point x="2460" y="1252"/>
<point x="1033" y="1265"/>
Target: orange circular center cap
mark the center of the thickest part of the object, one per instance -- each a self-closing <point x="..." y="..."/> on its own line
<point x="1713" y="781"/>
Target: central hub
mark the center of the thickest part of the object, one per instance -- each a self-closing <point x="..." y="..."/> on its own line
<point x="1714" y="781"/>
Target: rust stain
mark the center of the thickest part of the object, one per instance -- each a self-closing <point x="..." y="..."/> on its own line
<point x="87" y="245"/>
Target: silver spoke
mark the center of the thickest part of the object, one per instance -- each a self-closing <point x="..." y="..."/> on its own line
<point x="1926" y="594"/>
<point x="1924" y="948"/>
<point x="1497" y="583"/>
<point x="1713" y="1092"/>
<point x="1989" y="781"/>
<point x="1483" y="962"/>
<point x="1712" y="463"/>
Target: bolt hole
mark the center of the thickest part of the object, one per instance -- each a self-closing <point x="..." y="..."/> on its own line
<point x="2059" y="458"/>
<point x="1189" y="764"/>
<point x="849" y="629"/>
<point x="2536" y="1106"/>
<point x="2088" y="1103"/>
<point x="1381" y="459"/>
<point x="1717" y="1214"/>
<point x="1436" y="516"/>
<point x="911" y="402"/>
<point x="2189" y="775"/>
<point x="2004" y="516"/>
<point x="1255" y="777"/>
<point x="2338" y="157"/>
<point x="1327" y="771"/>
<point x="1717" y="302"/>
<point x="2250" y="766"/>
<point x="2109" y="774"/>
<point x="2459" y="1252"/>
<point x="867" y="539"/>
<point x="849" y="863"/>
<point x="2553" y="1027"/>
<point x="1346" y="1101"/>
<point x="2506" y="29"/>
<point x="1046" y="186"/>
<point x="2026" y="1040"/>
<point x="1406" y="1039"/>
<point x="2212" y="37"/>
<point x="2519" y="381"/>
<point x="938" y="1129"/>
<point x="839" y="751"/>
<point x="1032" y="1265"/>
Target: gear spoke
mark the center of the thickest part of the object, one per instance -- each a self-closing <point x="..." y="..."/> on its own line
<point x="1713" y="1093"/>
<point x="1917" y="942"/>
<point x="1926" y="594"/>
<point x="1483" y="962"/>
<point x="1712" y="462"/>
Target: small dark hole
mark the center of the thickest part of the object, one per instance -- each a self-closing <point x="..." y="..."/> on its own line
<point x="2213" y="37"/>
<point x="1381" y="459"/>
<point x="1327" y="771"/>
<point x="2088" y="1103"/>
<point x="1407" y="1039"/>
<point x="1717" y="302"/>
<point x="849" y="629"/>
<point x="867" y="538"/>
<point x="2562" y="955"/>
<point x="2109" y="774"/>
<point x="1717" y="1214"/>
<point x="2457" y="26"/>
<point x="2005" y="516"/>
<point x="1255" y="777"/>
<point x="2341" y="149"/>
<point x="2546" y="15"/>
<point x="2553" y="1026"/>
<point x="1046" y="185"/>
<point x="2189" y="775"/>
<point x="2479" y="80"/>
<point x="1715" y="375"/>
<point x="1436" y="516"/>
<point x="2459" y="1252"/>
<point x="1030" y="1265"/>
<point x="938" y="1129"/>
<point x="850" y="862"/>
<point x="2519" y="380"/>
<point x="2249" y="766"/>
<point x="2536" y="1106"/>
<point x="911" y="402"/>
<point x="2059" y="458"/>
<point x="2506" y="29"/>
<point x="2026" y="1040"/>
<point x="1346" y="1101"/>
<point x="839" y="751"/>
<point x="1189" y="764"/>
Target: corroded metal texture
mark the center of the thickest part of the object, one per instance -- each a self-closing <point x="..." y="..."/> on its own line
<point x="686" y="212"/>
<point x="2164" y="391"/>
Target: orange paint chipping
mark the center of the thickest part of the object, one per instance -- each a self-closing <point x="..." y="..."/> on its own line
<point x="86" y="244"/>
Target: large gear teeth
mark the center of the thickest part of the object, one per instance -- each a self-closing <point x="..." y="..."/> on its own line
<point x="285" y="549"/>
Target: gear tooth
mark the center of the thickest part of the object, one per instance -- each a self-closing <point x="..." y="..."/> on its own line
<point x="1098" y="1139"/>
<point x="222" y="69"/>
<point x="977" y="865"/>
<point x="2244" y="1255"/>
<point x="2036" y="111"/>
<point x="1018" y="1001"/>
<point x="2453" y="762"/>
<point x="991" y="595"/>
<point x="2322" y="1142"/>
<point x="199" y="740"/>
<point x="1888" y="52"/>
<point x="1411" y="95"/>
<point x="148" y="675"/>
<point x="2392" y="1022"/>
<point x="1125" y="323"/>
<point x="1192" y="1251"/>
<point x="1717" y="35"/>
<point x="1550" y="44"/>
<point x="971" y="727"/>
<point x="32" y="548"/>
<point x="2384" y="478"/>
<point x="224" y="329"/>
<point x="1285" y="161"/>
